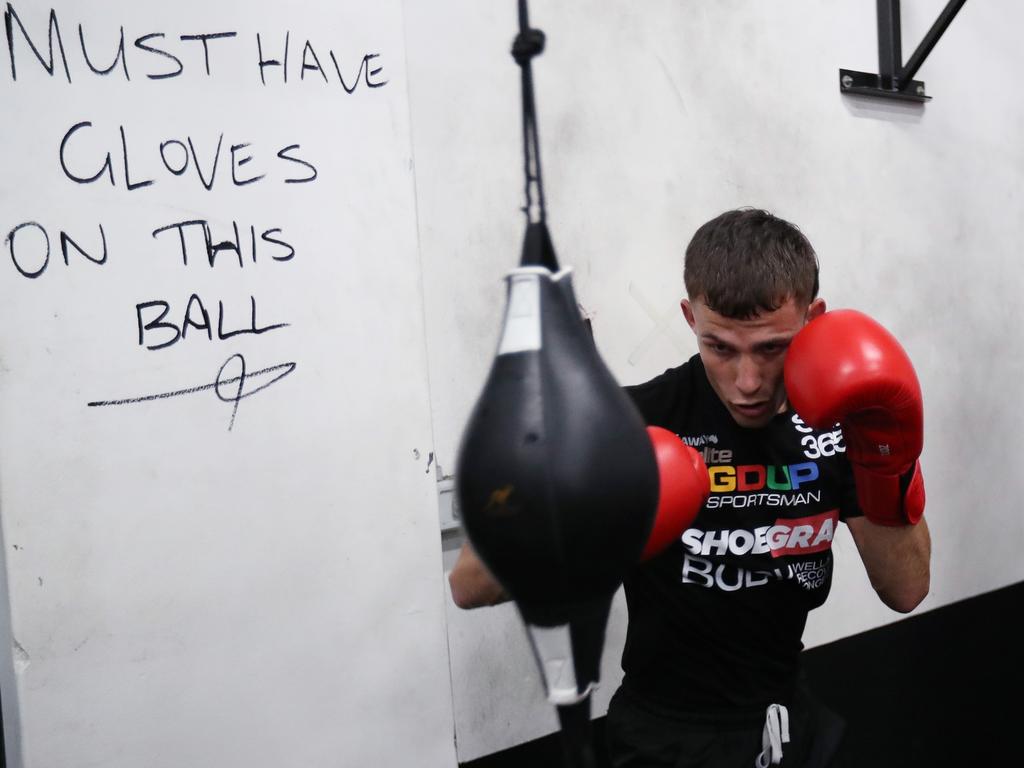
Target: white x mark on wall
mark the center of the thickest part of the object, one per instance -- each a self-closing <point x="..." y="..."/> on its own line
<point x="662" y="325"/>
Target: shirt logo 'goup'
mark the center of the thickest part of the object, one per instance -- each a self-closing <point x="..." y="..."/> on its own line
<point x="756" y="477"/>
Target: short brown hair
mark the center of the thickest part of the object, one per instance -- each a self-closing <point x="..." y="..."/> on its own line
<point x="747" y="261"/>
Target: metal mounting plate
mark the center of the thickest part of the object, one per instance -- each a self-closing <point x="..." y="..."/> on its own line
<point x="868" y="84"/>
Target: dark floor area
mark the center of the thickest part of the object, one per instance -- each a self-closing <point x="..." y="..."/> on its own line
<point x="941" y="688"/>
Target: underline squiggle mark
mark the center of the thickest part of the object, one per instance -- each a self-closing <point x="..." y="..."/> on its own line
<point x="282" y="370"/>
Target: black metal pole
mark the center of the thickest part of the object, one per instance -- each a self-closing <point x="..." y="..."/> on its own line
<point x="906" y="74"/>
<point x="890" y="55"/>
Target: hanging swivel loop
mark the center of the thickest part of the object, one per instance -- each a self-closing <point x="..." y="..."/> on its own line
<point x="528" y="43"/>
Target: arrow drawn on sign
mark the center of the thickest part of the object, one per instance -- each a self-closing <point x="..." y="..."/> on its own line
<point x="218" y="385"/>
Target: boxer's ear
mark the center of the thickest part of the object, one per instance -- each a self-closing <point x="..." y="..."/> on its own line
<point x="688" y="314"/>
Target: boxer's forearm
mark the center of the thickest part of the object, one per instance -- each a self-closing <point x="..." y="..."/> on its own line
<point x="897" y="559"/>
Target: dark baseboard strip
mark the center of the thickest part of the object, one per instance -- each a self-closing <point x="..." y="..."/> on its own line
<point x="940" y="688"/>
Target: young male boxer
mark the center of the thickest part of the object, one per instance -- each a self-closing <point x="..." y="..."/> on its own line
<point x="712" y="651"/>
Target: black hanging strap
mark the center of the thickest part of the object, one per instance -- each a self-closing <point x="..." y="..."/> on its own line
<point x="537" y="247"/>
<point x="529" y="43"/>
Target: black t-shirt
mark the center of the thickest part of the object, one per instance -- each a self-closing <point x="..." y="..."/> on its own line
<point x="715" y="621"/>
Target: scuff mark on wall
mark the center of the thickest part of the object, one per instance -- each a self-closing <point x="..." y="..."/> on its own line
<point x="21" y="657"/>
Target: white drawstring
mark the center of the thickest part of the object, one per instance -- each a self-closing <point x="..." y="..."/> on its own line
<point x="775" y="734"/>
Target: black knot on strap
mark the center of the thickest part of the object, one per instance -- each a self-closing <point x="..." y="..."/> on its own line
<point x="527" y="45"/>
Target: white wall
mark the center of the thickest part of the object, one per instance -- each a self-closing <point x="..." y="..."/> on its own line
<point x="656" y="116"/>
<point x="182" y="594"/>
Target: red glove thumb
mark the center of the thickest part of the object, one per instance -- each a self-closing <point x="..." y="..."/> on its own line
<point x="683" y="487"/>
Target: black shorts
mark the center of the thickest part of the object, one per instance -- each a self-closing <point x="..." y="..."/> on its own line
<point x="639" y="736"/>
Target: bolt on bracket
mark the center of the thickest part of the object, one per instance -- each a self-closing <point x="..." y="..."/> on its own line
<point x="895" y="80"/>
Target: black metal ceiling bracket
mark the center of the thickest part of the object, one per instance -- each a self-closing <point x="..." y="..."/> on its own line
<point x="895" y="80"/>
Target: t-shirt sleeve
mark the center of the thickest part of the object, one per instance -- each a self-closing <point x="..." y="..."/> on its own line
<point x="648" y="399"/>
<point x="663" y="398"/>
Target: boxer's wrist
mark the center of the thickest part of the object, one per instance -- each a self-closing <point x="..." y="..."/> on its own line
<point x="892" y="500"/>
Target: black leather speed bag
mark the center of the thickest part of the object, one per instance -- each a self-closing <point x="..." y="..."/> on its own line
<point x="556" y="478"/>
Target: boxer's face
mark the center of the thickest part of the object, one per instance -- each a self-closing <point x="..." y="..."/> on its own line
<point x="743" y="358"/>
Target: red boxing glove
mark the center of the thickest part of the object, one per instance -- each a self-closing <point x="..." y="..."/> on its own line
<point x="684" y="486"/>
<point x="844" y="367"/>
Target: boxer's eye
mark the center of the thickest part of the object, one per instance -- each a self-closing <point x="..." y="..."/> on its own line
<point x="773" y="348"/>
